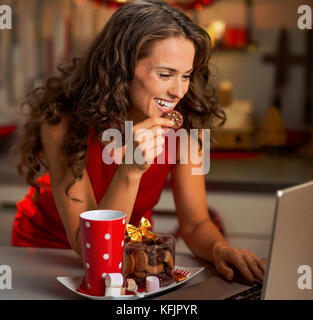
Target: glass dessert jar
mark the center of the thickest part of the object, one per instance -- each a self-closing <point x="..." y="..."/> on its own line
<point x="150" y="258"/>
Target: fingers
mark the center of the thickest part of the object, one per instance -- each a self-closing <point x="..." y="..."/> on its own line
<point x="149" y="141"/>
<point x="153" y="122"/>
<point x="151" y="151"/>
<point x="242" y="266"/>
<point x="148" y="134"/>
<point x="261" y="263"/>
<point x="249" y="265"/>
<point x="225" y="270"/>
<point x="253" y="266"/>
<point x="143" y="134"/>
<point x="147" y="138"/>
<point x="150" y="148"/>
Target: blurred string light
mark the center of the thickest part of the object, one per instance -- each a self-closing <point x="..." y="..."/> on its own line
<point x="182" y="4"/>
<point x="216" y="30"/>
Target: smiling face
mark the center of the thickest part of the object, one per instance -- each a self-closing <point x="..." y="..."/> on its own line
<point x="161" y="79"/>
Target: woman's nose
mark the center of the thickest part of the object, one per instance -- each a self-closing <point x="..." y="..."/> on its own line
<point x="177" y="89"/>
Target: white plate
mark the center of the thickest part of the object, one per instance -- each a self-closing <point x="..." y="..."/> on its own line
<point x="73" y="283"/>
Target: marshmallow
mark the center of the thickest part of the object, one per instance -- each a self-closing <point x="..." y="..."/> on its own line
<point x="152" y="283"/>
<point x="112" y="292"/>
<point x="114" y="280"/>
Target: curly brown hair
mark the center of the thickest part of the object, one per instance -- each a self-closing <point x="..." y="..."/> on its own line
<point x="93" y="91"/>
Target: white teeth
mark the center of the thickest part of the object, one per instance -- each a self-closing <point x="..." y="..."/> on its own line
<point x="164" y="104"/>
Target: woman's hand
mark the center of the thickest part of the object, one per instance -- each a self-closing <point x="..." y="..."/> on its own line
<point x="249" y="265"/>
<point x="148" y="143"/>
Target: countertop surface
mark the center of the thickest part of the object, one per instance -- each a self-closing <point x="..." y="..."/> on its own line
<point x="261" y="173"/>
<point x="34" y="272"/>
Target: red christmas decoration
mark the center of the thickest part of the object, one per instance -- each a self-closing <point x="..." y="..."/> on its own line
<point x="181" y="4"/>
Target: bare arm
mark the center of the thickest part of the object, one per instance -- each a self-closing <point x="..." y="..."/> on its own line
<point x="60" y="177"/>
<point x="125" y="182"/>
<point x="201" y="235"/>
<point x="197" y="229"/>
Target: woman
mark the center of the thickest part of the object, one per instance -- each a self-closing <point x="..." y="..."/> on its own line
<point x="149" y="58"/>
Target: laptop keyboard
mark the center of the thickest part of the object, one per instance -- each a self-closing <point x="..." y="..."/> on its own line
<point x="253" y="293"/>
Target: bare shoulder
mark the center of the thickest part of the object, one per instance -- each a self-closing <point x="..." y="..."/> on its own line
<point x="54" y="132"/>
<point x="52" y="137"/>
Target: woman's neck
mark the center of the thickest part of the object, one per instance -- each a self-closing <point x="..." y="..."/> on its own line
<point x="136" y="116"/>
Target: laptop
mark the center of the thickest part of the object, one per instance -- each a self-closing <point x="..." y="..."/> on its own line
<point x="289" y="269"/>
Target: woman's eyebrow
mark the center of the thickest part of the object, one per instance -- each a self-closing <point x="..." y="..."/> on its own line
<point x="171" y="69"/>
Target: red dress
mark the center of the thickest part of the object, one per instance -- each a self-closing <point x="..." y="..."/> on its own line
<point x="38" y="224"/>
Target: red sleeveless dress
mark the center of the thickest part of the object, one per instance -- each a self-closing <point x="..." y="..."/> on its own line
<point x="38" y="224"/>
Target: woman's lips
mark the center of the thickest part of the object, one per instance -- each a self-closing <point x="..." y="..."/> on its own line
<point x="163" y="108"/>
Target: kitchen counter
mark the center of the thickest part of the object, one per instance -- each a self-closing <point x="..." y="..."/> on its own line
<point x="34" y="272"/>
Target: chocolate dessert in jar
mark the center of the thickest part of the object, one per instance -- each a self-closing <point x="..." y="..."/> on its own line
<point x="150" y="257"/>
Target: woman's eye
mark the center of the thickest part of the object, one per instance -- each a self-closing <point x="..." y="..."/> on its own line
<point x="168" y="75"/>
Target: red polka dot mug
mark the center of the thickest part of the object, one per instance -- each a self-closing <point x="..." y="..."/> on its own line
<point x="102" y="234"/>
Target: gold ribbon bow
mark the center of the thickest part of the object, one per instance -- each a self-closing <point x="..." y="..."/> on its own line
<point x="136" y="234"/>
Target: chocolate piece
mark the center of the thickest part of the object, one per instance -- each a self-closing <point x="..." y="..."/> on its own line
<point x="137" y="245"/>
<point x="161" y="241"/>
<point x="160" y="255"/>
<point x="166" y="282"/>
<point x="154" y="269"/>
<point x="141" y="260"/>
<point x="151" y="258"/>
<point x="140" y="281"/>
<point x="166" y="279"/>
<point x="130" y="284"/>
<point x="147" y="241"/>
<point x="140" y="274"/>
<point x="169" y="271"/>
<point x="168" y="259"/>
<point x="130" y="264"/>
<point x="163" y="275"/>
<point x="176" y="117"/>
<point x="155" y="256"/>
